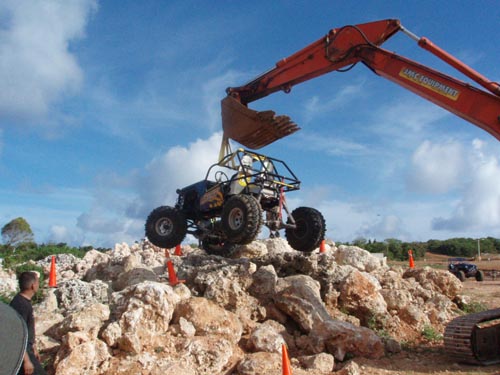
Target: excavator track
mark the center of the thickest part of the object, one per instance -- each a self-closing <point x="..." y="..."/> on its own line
<point x="474" y="338"/>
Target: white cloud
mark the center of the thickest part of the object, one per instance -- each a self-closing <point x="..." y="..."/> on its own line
<point x="36" y="65"/>
<point x="407" y="221"/>
<point x="405" y="118"/>
<point x="178" y="167"/>
<point x="479" y="206"/>
<point x="314" y="106"/>
<point x="436" y="167"/>
<point x="389" y="226"/>
<point x="335" y="146"/>
<point x="62" y="234"/>
<point x="121" y="204"/>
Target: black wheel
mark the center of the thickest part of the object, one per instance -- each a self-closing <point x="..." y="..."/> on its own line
<point x="309" y="231"/>
<point x="241" y="219"/>
<point x="479" y="275"/>
<point x="214" y="247"/>
<point x="166" y="227"/>
<point x="460" y="275"/>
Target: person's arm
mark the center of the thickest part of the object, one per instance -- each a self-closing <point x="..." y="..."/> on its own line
<point x="27" y="364"/>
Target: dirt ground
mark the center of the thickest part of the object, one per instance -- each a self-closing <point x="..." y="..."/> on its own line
<point x="429" y="358"/>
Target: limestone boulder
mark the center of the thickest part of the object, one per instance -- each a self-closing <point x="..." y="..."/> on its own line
<point x="277" y="246"/>
<point x="89" y="319"/>
<point x="119" y="253"/>
<point x="73" y="295"/>
<point x="260" y="363"/>
<point x="299" y="297"/>
<point x="252" y="250"/>
<point x="80" y="355"/>
<point x="360" y="295"/>
<point x="435" y="280"/>
<point x="133" y="276"/>
<point x="142" y="313"/>
<point x="267" y="337"/>
<point x="64" y="262"/>
<point x="8" y="282"/>
<point x="358" y="258"/>
<point x="212" y="355"/>
<point x="339" y="338"/>
<point x="47" y="316"/>
<point x="263" y="284"/>
<point x="209" y="319"/>
<point x="351" y="368"/>
<point x="321" y="363"/>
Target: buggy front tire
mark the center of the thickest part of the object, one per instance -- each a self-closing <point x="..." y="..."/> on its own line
<point x="241" y="219"/>
<point x="309" y="229"/>
<point x="166" y="227"/>
<point x="460" y="275"/>
<point x="479" y="275"/>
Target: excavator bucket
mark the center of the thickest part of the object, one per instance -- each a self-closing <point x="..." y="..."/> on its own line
<point x="253" y="129"/>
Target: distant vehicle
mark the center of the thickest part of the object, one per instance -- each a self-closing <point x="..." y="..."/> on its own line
<point x="462" y="269"/>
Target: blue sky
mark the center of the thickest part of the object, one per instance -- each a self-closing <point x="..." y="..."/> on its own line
<point x="107" y="107"/>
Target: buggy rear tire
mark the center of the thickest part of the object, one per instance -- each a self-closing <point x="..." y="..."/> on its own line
<point x="309" y="230"/>
<point x="166" y="227"/>
<point x="241" y="219"/>
<point x="479" y="275"/>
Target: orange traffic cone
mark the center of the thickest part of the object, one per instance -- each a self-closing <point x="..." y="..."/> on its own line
<point x="172" y="277"/>
<point x="322" y="247"/>
<point x="167" y="254"/>
<point x="411" y="261"/>
<point x="287" y="369"/>
<point x="52" y="274"/>
<point x="178" y="250"/>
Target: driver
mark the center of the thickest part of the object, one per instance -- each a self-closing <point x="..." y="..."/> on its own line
<point x="241" y="179"/>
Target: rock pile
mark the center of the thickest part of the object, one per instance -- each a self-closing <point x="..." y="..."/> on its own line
<point x="115" y="313"/>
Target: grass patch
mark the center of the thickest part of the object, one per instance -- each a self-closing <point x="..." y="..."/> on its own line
<point x="474" y="307"/>
<point x="430" y="334"/>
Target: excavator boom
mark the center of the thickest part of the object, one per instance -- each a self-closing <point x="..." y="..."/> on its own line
<point x="472" y="104"/>
<point x="340" y="49"/>
<point x="332" y="52"/>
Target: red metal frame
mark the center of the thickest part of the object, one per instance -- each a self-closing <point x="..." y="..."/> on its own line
<point x="347" y="45"/>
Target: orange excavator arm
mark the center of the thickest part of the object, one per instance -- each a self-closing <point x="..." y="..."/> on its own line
<point x="339" y="50"/>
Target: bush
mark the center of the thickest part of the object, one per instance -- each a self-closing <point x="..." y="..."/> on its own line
<point x="34" y="252"/>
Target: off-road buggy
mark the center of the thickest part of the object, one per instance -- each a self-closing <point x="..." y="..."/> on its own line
<point x="462" y="269"/>
<point x="239" y="194"/>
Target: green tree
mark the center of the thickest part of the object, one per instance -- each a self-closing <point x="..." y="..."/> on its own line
<point x="395" y="249"/>
<point x="17" y="232"/>
<point x="360" y="242"/>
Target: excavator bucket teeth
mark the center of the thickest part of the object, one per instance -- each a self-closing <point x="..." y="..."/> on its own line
<point x="253" y="129"/>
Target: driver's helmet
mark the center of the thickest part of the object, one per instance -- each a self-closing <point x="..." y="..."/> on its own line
<point x="247" y="161"/>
